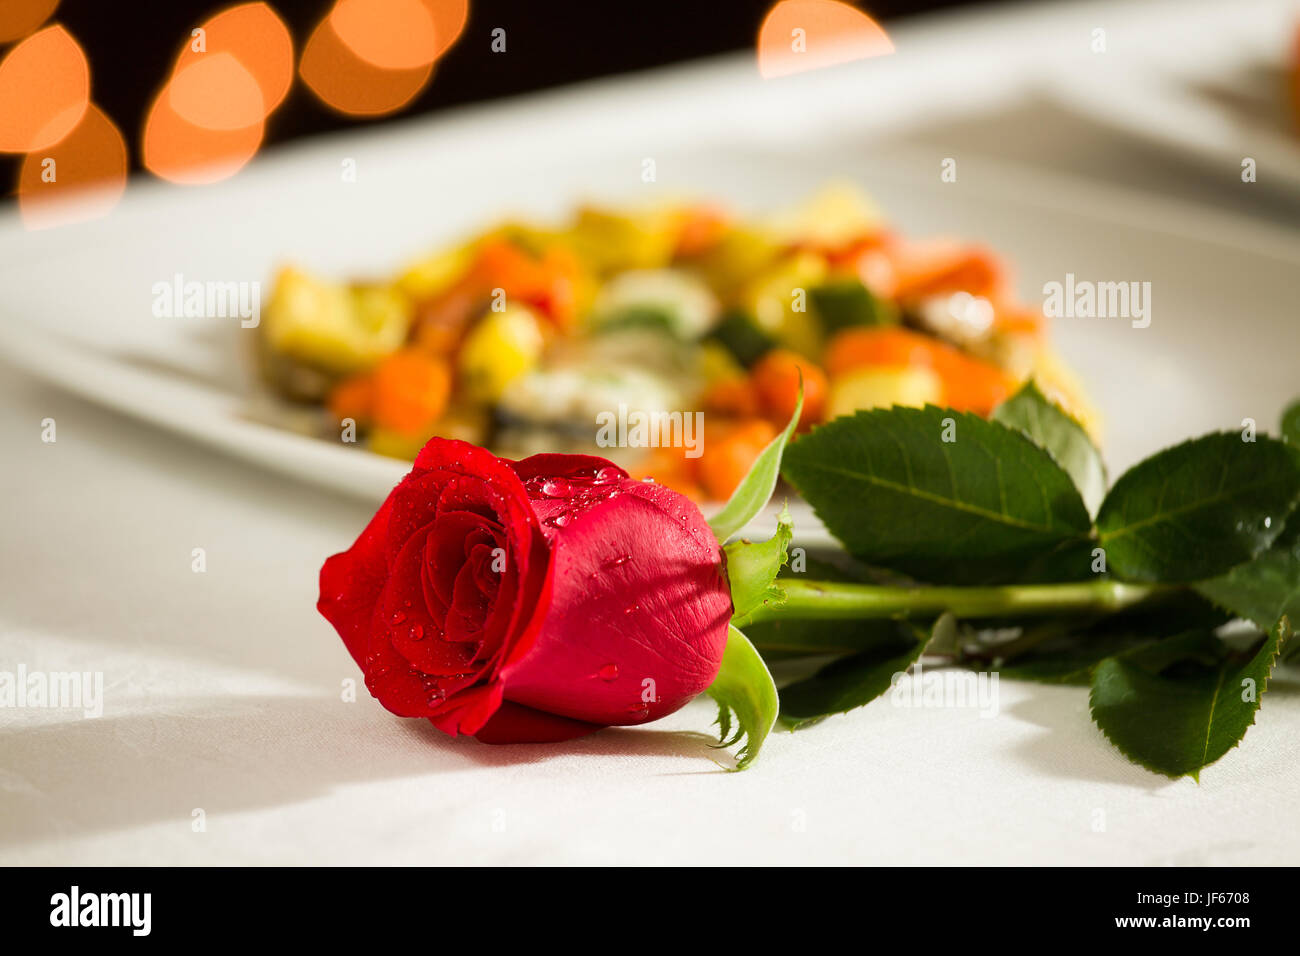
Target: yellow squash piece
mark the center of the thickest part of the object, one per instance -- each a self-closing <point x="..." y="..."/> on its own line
<point x="332" y="327"/>
<point x="778" y="299"/>
<point x="434" y="274"/>
<point x="882" y="387"/>
<point x="500" y="348"/>
<point x="834" y="216"/>
<point x="612" y="241"/>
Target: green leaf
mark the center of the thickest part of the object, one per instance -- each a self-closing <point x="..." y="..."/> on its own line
<point x="1072" y="647"/>
<point x="1180" y="720"/>
<point x="790" y="638"/>
<point x="1291" y="424"/>
<point x="744" y="688"/>
<point x="1049" y="427"/>
<point x="1072" y="663"/>
<point x="1196" y="647"/>
<point x="755" y="489"/>
<point x="853" y="681"/>
<point x="1075" y="661"/>
<point x="977" y="509"/>
<point x="1265" y="589"/>
<point x="1195" y="510"/>
<point x="752" y="568"/>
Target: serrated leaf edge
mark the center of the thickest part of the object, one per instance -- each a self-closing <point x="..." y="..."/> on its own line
<point x="1254" y="713"/>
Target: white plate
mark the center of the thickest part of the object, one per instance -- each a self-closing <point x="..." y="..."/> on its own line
<point x="1211" y="84"/>
<point x="1220" y="348"/>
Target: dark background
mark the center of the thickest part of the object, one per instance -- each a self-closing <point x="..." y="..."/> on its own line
<point x="131" y="46"/>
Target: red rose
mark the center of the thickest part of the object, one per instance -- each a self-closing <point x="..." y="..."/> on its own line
<point x="527" y="601"/>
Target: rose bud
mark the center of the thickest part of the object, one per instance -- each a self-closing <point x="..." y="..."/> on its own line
<point x="529" y="601"/>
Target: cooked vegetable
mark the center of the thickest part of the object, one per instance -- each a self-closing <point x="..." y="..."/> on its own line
<point x="777" y="379"/>
<point x="890" y="347"/>
<point x="728" y="453"/>
<point x="503" y="346"/>
<point x="846" y="302"/>
<point x="527" y="335"/>
<point x="928" y="269"/>
<point x="326" y="330"/>
<point x="969" y="384"/>
<point x="740" y="334"/>
<point x="680" y="302"/>
<point x="548" y="282"/>
<point x="881" y="388"/>
<point x="410" y="391"/>
<point x="616" y="241"/>
<point x="778" y="299"/>
<point x="834" y="216"/>
<point x="353" y="398"/>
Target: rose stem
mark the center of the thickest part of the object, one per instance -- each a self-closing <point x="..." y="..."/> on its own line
<point x="825" y="600"/>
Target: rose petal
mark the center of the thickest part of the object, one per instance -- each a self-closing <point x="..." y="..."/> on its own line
<point x="469" y="710"/>
<point x="412" y="629"/>
<point x="517" y="724"/>
<point x="638" y="615"/>
<point x="350" y="584"/>
<point x="565" y="466"/>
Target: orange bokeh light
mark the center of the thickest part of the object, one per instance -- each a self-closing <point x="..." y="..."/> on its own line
<point x="209" y="119"/>
<point x="79" y="178"/>
<point x="20" y="17"/>
<point x="390" y="34"/>
<point x="349" y="84"/>
<point x="258" y="39"/>
<point x="802" y="35"/>
<point x="449" y="18"/>
<point x="44" y="91"/>
<point x="181" y="152"/>
<point x="216" y="92"/>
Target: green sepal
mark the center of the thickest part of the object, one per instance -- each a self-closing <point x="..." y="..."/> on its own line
<point x="744" y="689"/>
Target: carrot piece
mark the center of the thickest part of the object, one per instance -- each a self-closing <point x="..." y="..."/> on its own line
<point x="776" y="379"/>
<point x="442" y="321"/>
<point x="702" y="228"/>
<point x="352" y="398"/>
<point x="734" y="397"/>
<point x="969" y="383"/>
<point x="548" y="282"/>
<point x="411" y="389"/>
<point x="670" y="466"/>
<point x="728" y="454"/>
<point x="502" y="263"/>
<point x="559" y="299"/>
<point x="1017" y="319"/>
<point x="878" y="345"/>
<point x="929" y="269"/>
<point x="845" y="257"/>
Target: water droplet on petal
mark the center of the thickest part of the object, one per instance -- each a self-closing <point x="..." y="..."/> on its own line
<point x="608" y="672"/>
<point x="556" y="488"/>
